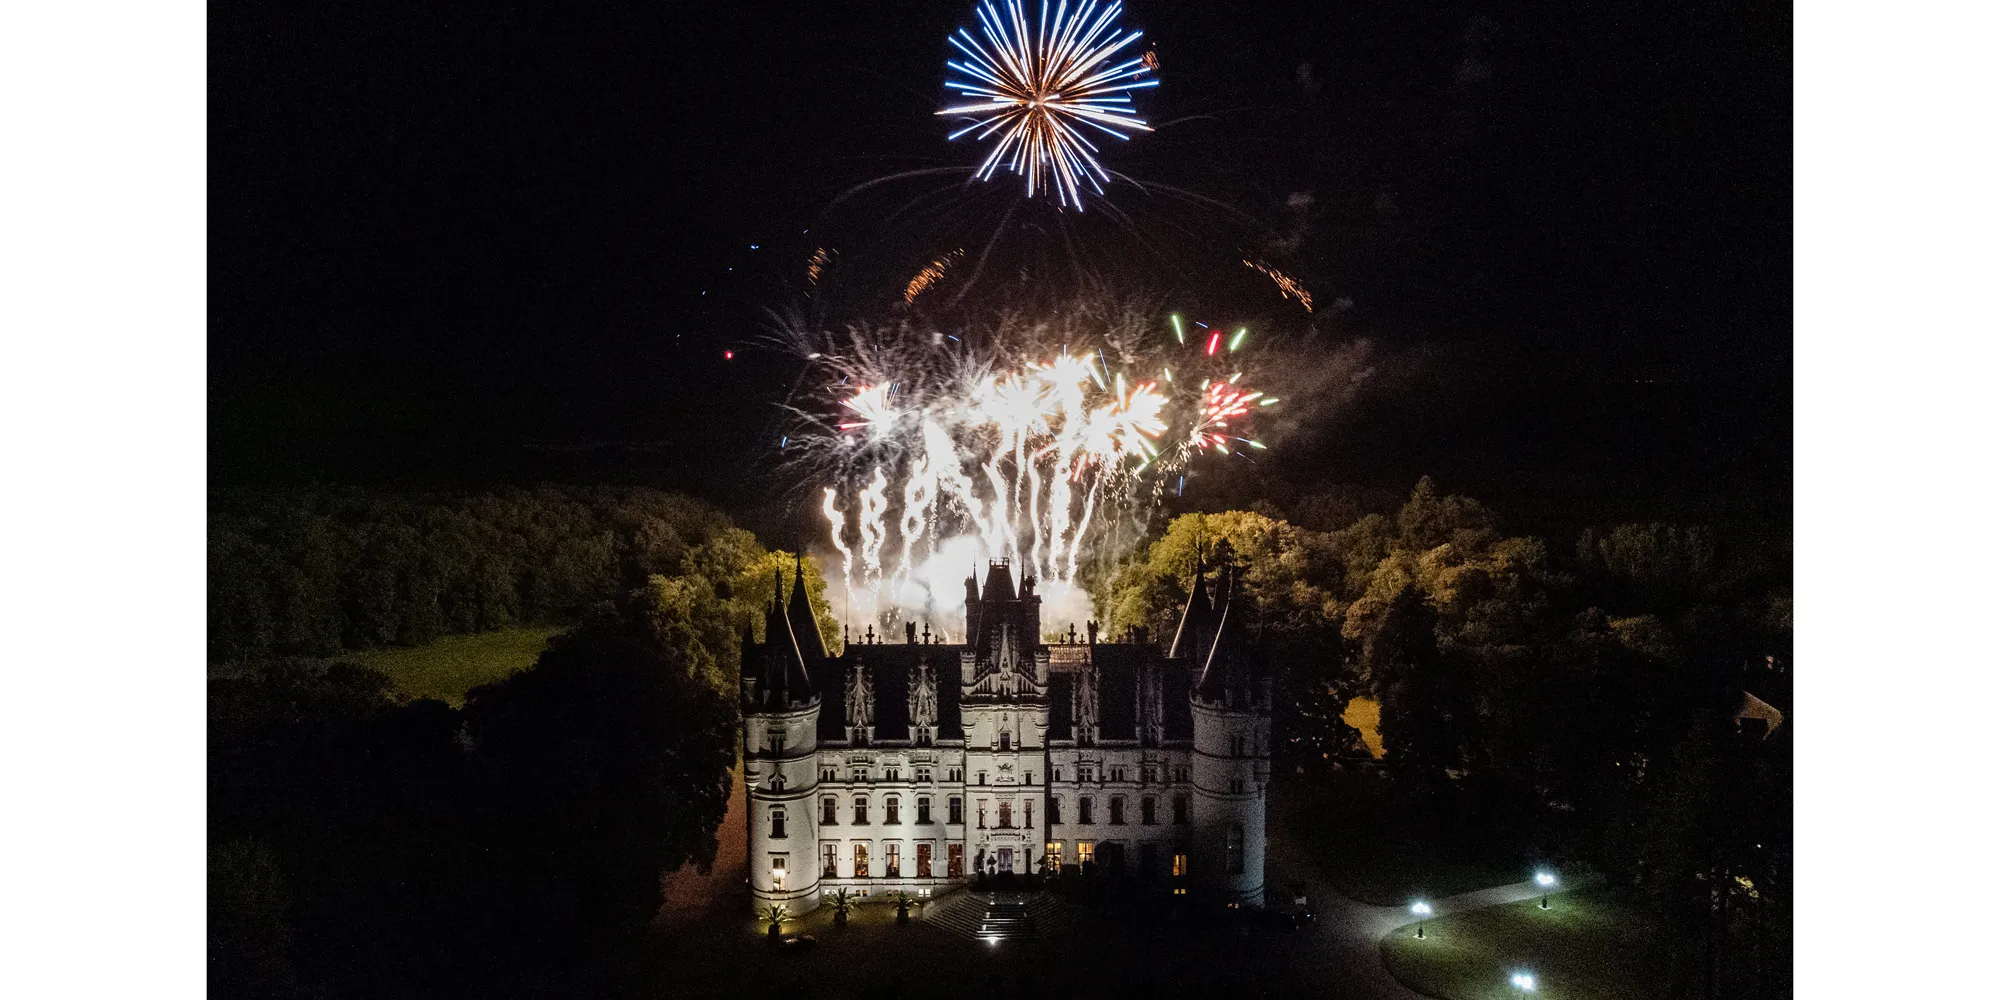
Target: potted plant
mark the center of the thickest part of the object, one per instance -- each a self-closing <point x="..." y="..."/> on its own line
<point x="774" y="913"/>
<point x="842" y="902"/>
<point x="903" y="901"/>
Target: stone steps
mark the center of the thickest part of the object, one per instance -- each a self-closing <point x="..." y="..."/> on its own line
<point x="981" y="916"/>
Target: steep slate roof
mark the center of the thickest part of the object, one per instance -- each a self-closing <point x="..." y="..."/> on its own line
<point x="1062" y="707"/>
<point x="890" y="667"/>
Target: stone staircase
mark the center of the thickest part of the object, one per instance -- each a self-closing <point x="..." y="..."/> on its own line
<point x="992" y="917"/>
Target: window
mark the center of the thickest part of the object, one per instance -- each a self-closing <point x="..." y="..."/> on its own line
<point x="892" y="860"/>
<point x="1180" y="810"/>
<point x="1117" y="774"/>
<point x="1055" y="811"/>
<point x="955" y="807"/>
<point x="829" y="862"/>
<point x="1052" y="856"/>
<point x="1180" y="865"/>
<point x="1028" y="813"/>
<point x="892" y="810"/>
<point x="777" y="744"/>
<point x="860" y="810"/>
<point x="1006" y="740"/>
<point x="954" y="859"/>
<point x="923" y="861"/>
<point x="982" y="814"/>
<point x="1232" y="851"/>
<point x="1055" y="774"/>
<point x="893" y="774"/>
<point x="1086" y="852"/>
<point x="1083" y="811"/>
<point x="778" y="870"/>
<point x="859" y="775"/>
<point x="1083" y="772"/>
<point x="982" y="778"/>
<point x="1006" y="814"/>
<point x="827" y="807"/>
<point x="1236" y="785"/>
<point x="777" y="782"/>
<point x="923" y="808"/>
<point x="954" y="774"/>
<point x="778" y="823"/>
<point x="861" y="861"/>
<point x="1146" y="811"/>
<point x="1027" y="777"/>
<point x="829" y="774"/>
<point x="1181" y="774"/>
<point x="1236" y="746"/>
<point x="1117" y="810"/>
<point x="923" y="773"/>
<point x="1146" y="775"/>
<point x="1149" y="860"/>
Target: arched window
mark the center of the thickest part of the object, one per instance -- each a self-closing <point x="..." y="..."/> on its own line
<point x="1232" y="850"/>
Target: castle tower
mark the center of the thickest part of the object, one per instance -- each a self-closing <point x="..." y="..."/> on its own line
<point x="1003" y="703"/>
<point x="781" y="751"/>
<point x="1231" y="706"/>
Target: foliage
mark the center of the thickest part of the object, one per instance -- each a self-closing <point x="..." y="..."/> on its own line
<point x="469" y="852"/>
<point x="452" y="665"/>
<point x="314" y="572"/>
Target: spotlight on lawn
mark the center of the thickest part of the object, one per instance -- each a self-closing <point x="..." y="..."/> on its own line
<point x="1546" y="880"/>
<point x="1523" y="981"/>
<point x="1422" y="910"/>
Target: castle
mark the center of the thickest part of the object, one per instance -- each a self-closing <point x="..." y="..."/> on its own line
<point x="914" y="766"/>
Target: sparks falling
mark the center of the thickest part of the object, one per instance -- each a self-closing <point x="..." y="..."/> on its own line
<point x="1037" y="85"/>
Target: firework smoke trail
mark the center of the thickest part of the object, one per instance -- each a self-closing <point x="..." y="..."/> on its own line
<point x="839" y="524"/>
<point x="873" y="533"/>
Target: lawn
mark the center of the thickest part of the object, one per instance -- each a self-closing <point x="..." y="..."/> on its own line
<point x="448" y="668"/>
<point x="1376" y="854"/>
<point x="1586" y="944"/>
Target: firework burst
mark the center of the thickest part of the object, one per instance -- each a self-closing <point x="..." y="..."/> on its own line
<point x="1042" y="89"/>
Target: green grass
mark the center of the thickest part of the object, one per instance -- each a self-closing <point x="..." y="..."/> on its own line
<point x="448" y="668"/>
<point x="1587" y="944"/>
<point x="1374" y="853"/>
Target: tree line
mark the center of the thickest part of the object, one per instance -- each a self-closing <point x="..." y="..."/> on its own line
<point x="319" y="571"/>
<point x="1576" y="700"/>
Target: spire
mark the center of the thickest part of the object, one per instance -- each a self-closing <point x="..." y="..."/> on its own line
<point x="799" y="615"/>
<point x="1224" y="668"/>
<point x="1196" y="614"/>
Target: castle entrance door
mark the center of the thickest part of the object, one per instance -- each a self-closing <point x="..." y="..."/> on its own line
<point x="1007" y="860"/>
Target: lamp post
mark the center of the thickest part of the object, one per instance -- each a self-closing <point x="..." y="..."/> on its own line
<point x="1523" y="981"/>
<point x="1422" y="910"/>
<point x="1546" y="880"/>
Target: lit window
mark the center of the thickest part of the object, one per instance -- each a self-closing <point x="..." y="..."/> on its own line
<point x="923" y="861"/>
<point x="861" y="861"/>
<point x="1180" y="864"/>
<point x="1052" y="856"/>
<point x="954" y="860"/>
<point x="829" y="862"/>
<point x="892" y="860"/>
<point x="1086" y="852"/>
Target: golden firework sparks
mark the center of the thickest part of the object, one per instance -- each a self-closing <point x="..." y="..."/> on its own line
<point x="1288" y="286"/>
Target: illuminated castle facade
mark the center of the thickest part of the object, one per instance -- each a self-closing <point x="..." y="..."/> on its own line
<point x="915" y="765"/>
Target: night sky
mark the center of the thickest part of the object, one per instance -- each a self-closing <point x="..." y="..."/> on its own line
<point x="455" y="247"/>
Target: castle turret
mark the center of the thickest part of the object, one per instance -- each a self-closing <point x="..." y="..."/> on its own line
<point x="1231" y="707"/>
<point x="780" y="752"/>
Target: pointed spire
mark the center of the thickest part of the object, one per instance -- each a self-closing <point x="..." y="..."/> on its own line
<point x="1196" y="614"/>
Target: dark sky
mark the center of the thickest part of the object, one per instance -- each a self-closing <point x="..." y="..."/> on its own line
<point x="465" y="245"/>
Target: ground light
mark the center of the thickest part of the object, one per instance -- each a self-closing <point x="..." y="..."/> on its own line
<point x="1422" y="910"/>
<point x="1523" y="981"/>
<point x="1546" y="880"/>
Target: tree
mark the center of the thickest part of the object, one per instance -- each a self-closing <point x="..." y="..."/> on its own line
<point x="611" y="758"/>
<point x="1426" y="708"/>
